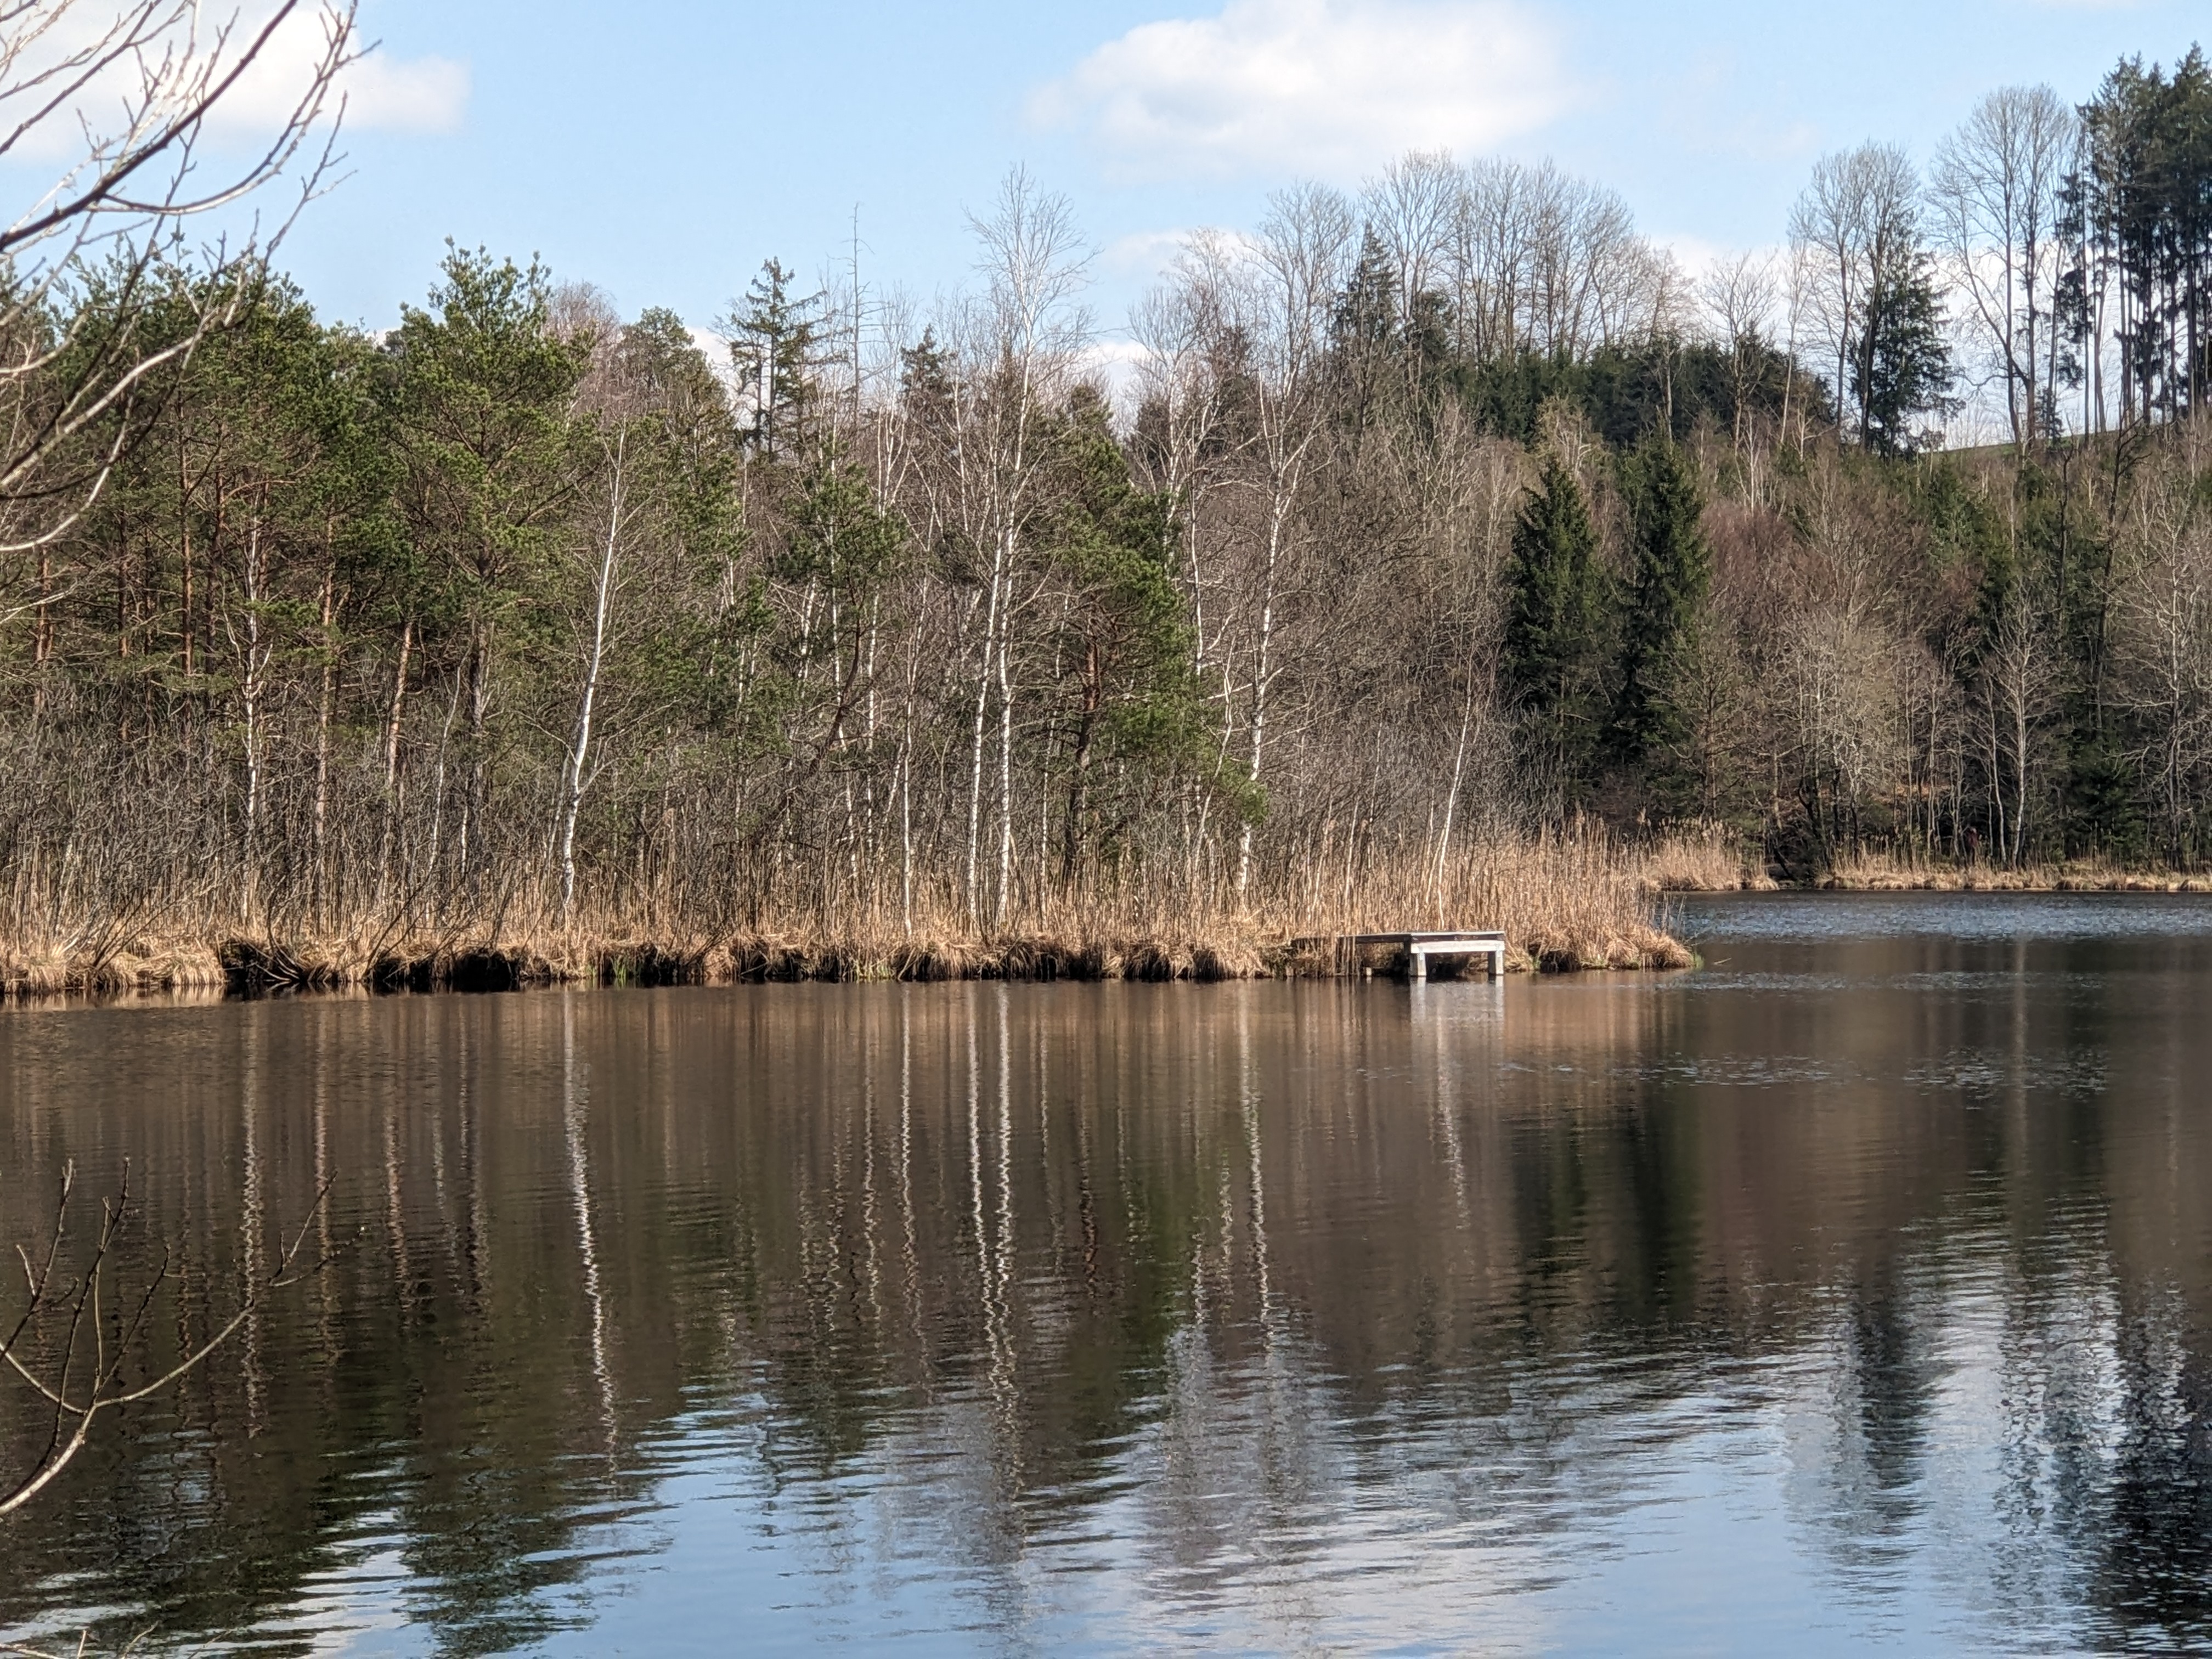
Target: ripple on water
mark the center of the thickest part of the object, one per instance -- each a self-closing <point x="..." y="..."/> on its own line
<point x="1719" y="1312"/>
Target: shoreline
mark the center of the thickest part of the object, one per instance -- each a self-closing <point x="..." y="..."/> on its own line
<point x="244" y="967"/>
<point x="2030" y="881"/>
<point x="1570" y="901"/>
<point x="1628" y="938"/>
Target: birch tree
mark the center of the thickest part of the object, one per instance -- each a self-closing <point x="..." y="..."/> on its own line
<point x="1297" y="267"/>
<point x="1021" y="345"/>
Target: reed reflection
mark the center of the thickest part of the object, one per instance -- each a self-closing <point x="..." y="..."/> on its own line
<point x="1263" y="1314"/>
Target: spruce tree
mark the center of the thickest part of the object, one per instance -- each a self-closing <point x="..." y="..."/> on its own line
<point x="773" y="340"/>
<point x="1667" y="597"/>
<point x="1365" y="330"/>
<point x="1555" y="615"/>
<point x="1904" y="368"/>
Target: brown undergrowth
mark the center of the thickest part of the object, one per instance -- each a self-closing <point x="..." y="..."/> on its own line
<point x="1578" y="900"/>
<point x="1712" y="859"/>
<point x="1701" y="859"/>
<point x="1887" y="873"/>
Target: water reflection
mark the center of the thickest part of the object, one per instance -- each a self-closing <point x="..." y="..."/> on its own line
<point x="1852" y="1290"/>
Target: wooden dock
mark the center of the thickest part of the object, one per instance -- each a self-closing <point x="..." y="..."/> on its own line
<point x="1416" y="948"/>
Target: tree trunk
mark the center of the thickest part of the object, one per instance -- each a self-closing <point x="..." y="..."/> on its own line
<point x="580" y="749"/>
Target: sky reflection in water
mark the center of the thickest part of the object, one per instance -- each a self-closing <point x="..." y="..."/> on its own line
<point x="1853" y="1290"/>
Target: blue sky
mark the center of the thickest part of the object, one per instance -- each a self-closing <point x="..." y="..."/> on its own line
<point x="662" y="149"/>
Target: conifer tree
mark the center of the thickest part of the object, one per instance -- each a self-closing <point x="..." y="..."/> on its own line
<point x="1555" y="615"/>
<point x="1364" y="331"/>
<point x="1128" y="709"/>
<point x="773" y="340"/>
<point x="1667" y="595"/>
<point x="1904" y="370"/>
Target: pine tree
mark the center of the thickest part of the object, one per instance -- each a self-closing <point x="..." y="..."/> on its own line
<point x="1665" y="601"/>
<point x="1127" y="709"/>
<point x="1555" y="615"/>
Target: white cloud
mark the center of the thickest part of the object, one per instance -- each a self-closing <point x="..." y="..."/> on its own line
<point x="1334" y="88"/>
<point x="382" y="93"/>
<point x="414" y="94"/>
<point x="1112" y="364"/>
<point x="1699" y="258"/>
<point x="1144" y="253"/>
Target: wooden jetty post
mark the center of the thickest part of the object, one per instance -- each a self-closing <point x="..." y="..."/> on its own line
<point x="1419" y="947"/>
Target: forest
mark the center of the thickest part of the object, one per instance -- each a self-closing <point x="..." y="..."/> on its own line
<point x="1444" y="547"/>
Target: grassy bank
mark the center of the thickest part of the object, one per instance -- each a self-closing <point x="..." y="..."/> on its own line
<point x="1881" y="874"/>
<point x="1712" y="861"/>
<point x="1565" y="902"/>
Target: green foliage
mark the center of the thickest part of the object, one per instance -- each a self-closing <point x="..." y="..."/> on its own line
<point x="477" y="390"/>
<point x="2139" y="218"/>
<point x="1126" y="706"/>
<point x="1965" y="532"/>
<point x="840" y="546"/>
<point x="1901" y="372"/>
<point x="1630" y="392"/>
<point x="1556" y="618"/>
<point x="773" y="343"/>
<point x="1671" y="577"/>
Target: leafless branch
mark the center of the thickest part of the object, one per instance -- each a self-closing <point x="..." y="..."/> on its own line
<point x="82" y="1375"/>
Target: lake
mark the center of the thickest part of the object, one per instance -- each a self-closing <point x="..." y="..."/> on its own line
<point x="1854" y="1289"/>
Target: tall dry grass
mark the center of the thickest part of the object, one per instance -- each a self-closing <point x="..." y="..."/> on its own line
<point x="1575" y="899"/>
<point x="1706" y="858"/>
<point x="1880" y="871"/>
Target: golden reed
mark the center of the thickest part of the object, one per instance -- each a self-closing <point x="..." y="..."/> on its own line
<point x="1577" y="899"/>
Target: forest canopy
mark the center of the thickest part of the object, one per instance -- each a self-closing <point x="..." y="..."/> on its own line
<point x="1450" y="508"/>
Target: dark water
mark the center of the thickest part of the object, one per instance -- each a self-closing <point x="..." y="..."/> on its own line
<point x="1852" y="1292"/>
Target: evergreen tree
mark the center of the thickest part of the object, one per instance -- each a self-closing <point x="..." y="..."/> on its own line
<point x="477" y="390"/>
<point x="1673" y="567"/>
<point x="1903" y="370"/>
<point x="2139" y="216"/>
<point x="773" y="337"/>
<point x="1555" y="615"/>
<point x="1129" y="712"/>
<point x="1364" y="331"/>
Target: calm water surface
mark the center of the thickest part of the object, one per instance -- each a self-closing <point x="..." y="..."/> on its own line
<point x="1855" y="1290"/>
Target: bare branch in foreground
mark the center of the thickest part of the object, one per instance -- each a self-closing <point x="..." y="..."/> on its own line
<point x="83" y="1374"/>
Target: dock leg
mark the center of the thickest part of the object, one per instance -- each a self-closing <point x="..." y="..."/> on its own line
<point x="1417" y="966"/>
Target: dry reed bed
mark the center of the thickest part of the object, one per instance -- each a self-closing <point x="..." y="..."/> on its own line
<point x="1878" y="875"/>
<point x="1565" y="902"/>
<point x="1709" y="860"/>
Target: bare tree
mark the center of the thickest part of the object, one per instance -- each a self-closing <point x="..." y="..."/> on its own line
<point x="1857" y="218"/>
<point x="2162" y="630"/>
<point x="1995" y="193"/>
<point x="2019" y="677"/>
<point x="1738" y="296"/>
<point x="1183" y="332"/>
<point x="1492" y="231"/>
<point x="1412" y="208"/>
<point x="119" y="212"/>
<point x="611" y="393"/>
<point x="1021" y="344"/>
<point x="1298" y="268"/>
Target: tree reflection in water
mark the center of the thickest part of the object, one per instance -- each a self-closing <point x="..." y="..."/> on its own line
<point x="1858" y="1283"/>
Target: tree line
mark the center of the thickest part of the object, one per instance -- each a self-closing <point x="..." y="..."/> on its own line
<point x="1447" y="509"/>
